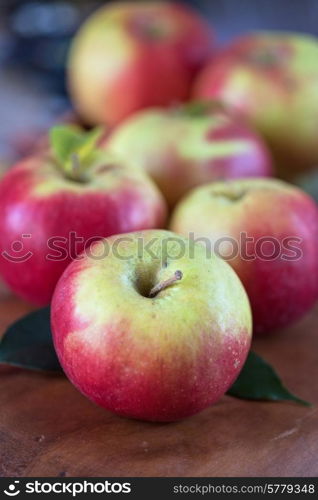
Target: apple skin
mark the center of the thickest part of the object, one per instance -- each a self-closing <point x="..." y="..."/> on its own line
<point x="158" y="359"/>
<point x="181" y="149"/>
<point x="132" y="55"/>
<point x="272" y="80"/>
<point x="281" y="290"/>
<point x="36" y="199"/>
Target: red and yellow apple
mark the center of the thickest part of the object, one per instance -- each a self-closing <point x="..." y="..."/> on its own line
<point x="267" y="230"/>
<point x="48" y="214"/>
<point x="132" y="55"/>
<point x="181" y="148"/>
<point x="147" y="326"/>
<point x="272" y="80"/>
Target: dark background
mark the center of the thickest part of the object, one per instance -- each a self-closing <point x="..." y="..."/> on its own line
<point x="34" y="39"/>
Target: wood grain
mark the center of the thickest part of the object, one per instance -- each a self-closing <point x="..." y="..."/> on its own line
<point x="47" y="428"/>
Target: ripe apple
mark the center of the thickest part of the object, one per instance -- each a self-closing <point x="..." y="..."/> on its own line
<point x="272" y="80"/>
<point x="132" y="55"/>
<point x="51" y="209"/>
<point x="183" y="147"/>
<point x="267" y="230"/>
<point x="149" y="327"/>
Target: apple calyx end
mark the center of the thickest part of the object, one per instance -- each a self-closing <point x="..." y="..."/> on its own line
<point x="178" y="275"/>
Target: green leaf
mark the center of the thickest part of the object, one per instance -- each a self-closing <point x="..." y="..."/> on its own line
<point x="67" y="140"/>
<point x="28" y="343"/>
<point x="259" y="381"/>
<point x="88" y="142"/>
<point x="64" y="139"/>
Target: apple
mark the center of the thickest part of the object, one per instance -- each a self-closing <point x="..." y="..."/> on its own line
<point x="53" y="204"/>
<point x="132" y="55"/>
<point x="271" y="78"/>
<point x="183" y="147"/>
<point x="267" y="230"/>
<point x="149" y="327"/>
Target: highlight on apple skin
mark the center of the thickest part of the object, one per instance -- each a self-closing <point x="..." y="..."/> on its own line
<point x="132" y="55"/>
<point x="267" y="230"/>
<point x="158" y="335"/>
<point x="183" y="147"/>
<point x="271" y="78"/>
<point x="47" y="218"/>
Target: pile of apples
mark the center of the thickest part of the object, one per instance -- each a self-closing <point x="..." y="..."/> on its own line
<point x="110" y="225"/>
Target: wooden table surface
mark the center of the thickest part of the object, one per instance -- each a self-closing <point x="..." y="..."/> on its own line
<point x="47" y="428"/>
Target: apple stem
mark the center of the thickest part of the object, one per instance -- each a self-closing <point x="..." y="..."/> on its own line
<point x="76" y="173"/>
<point x="164" y="284"/>
<point x="75" y="164"/>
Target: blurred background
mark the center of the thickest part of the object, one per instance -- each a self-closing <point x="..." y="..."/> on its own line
<point x="34" y="40"/>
